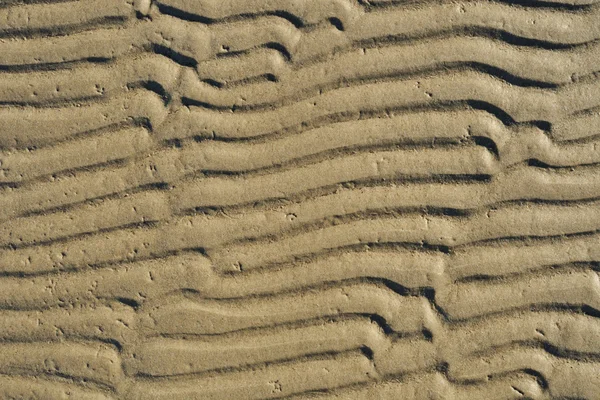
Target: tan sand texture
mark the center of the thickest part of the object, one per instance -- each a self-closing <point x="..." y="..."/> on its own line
<point x="299" y="199"/>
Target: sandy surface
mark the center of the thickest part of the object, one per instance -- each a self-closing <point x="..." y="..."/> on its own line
<point x="301" y="199"/>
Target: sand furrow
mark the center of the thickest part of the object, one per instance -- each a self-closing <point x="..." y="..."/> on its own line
<point x="137" y="209"/>
<point x="468" y="300"/>
<point x="270" y="381"/>
<point x="201" y="42"/>
<point x="28" y="129"/>
<point x="356" y="167"/>
<point x="95" y="363"/>
<point x="517" y="64"/>
<point x="25" y="165"/>
<point x="238" y="157"/>
<point x="420" y="20"/>
<point x="83" y="186"/>
<point x="517" y="222"/>
<point x="408" y="269"/>
<point x="514" y="386"/>
<point x="104" y="44"/>
<point x="89" y="81"/>
<point x="513" y="144"/>
<point x="199" y="122"/>
<point x="92" y="81"/>
<point x="521" y="104"/>
<point x="436" y="386"/>
<point x="402" y="314"/>
<point x="33" y="126"/>
<point x="578" y="334"/>
<point x="187" y="316"/>
<point x="569" y="333"/>
<point x="58" y="17"/>
<point x="111" y="325"/>
<point x="493" y="260"/>
<point x="169" y="168"/>
<point x="376" y="165"/>
<point x="524" y="184"/>
<point x="308" y="12"/>
<point x="405" y="314"/>
<point x="524" y="144"/>
<point x="197" y="356"/>
<point x="563" y="331"/>
<point x="560" y="330"/>
<point x="565" y="378"/>
<point x="302" y="13"/>
<point x="508" y="63"/>
<point x="242" y="250"/>
<point x="15" y="387"/>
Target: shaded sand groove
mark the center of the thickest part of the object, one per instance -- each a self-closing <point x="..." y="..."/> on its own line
<point x="299" y="199"/>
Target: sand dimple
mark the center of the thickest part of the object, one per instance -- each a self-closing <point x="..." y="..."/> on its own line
<point x="260" y="199"/>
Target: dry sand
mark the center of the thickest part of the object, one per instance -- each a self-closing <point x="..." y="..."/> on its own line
<point x="302" y="199"/>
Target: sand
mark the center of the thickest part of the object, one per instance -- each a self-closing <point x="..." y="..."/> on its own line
<point x="300" y="199"/>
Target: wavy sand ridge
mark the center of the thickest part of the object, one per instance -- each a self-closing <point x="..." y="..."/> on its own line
<point x="299" y="199"/>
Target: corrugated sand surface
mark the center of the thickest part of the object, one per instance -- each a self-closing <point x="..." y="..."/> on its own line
<point x="300" y="199"/>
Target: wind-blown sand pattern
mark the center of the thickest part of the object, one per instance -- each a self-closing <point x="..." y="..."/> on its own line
<point x="300" y="199"/>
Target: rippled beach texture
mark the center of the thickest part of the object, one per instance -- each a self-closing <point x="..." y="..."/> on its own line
<point x="299" y="199"/>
